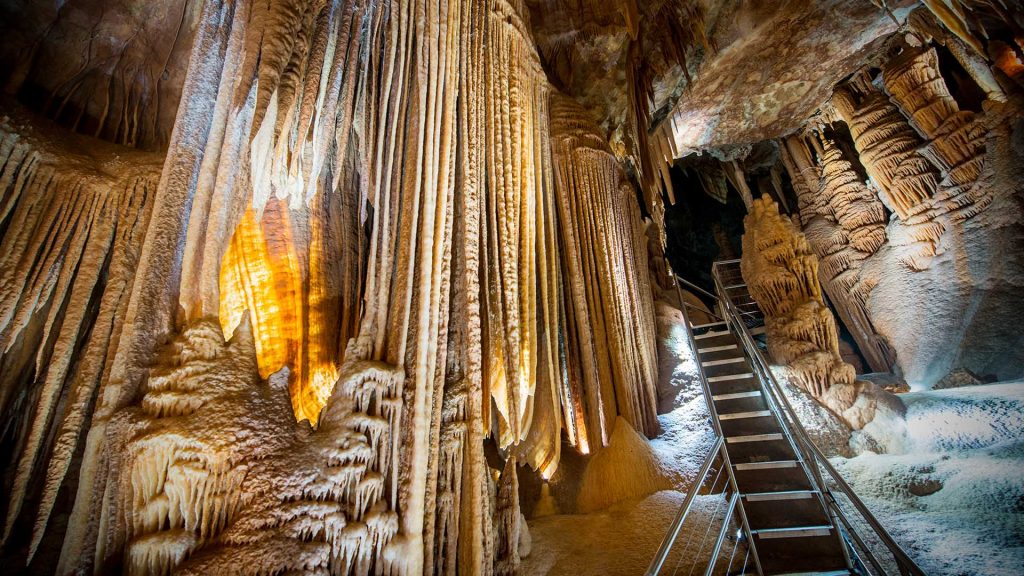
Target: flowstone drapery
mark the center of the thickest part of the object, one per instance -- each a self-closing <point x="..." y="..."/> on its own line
<point x="73" y="229"/>
<point x="611" y="316"/>
<point x="348" y="277"/>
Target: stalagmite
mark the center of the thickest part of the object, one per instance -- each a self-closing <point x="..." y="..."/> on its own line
<point x="845" y="225"/>
<point x="782" y="273"/>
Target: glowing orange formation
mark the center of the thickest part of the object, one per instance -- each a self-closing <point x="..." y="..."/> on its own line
<point x="262" y="273"/>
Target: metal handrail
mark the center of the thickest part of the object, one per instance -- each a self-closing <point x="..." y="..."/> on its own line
<point x="722" y="533"/>
<point x="684" y="510"/>
<point x="670" y="539"/>
<point x="906" y="565"/>
<point x="694" y="286"/>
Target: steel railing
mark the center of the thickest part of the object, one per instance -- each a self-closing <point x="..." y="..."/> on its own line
<point x="717" y="452"/>
<point x="811" y="455"/>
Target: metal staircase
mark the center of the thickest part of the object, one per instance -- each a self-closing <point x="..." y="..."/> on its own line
<point x="790" y="514"/>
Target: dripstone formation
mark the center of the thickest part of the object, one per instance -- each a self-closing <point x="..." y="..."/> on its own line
<point x="340" y="287"/>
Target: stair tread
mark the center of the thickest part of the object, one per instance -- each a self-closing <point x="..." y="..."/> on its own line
<point x="723" y="361"/>
<point x="712" y="334"/>
<point x="769" y="465"/>
<point x="750" y="414"/>
<point x="717" y="348"/>
<point x="794" y="532"/>
<point x="737" y="395"/>
<point x="708" y="325"/>
<point x="726" y="377"/>
<point x="753" y="438"/>
<point x="779" y="495"/>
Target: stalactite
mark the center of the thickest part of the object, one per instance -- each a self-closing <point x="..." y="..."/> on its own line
<point x="889" y="150"/>
<point x="856" y="209"/>
<point x="612" y="312"/>
<point x="782" y="273"/>
<point x="359" y="204"/>
<point x="956" y="139"/>
<point x="804" y="176"/>
<point x="952" y="13"/>
<point x="924" y="23"/>
<point x="518" y="221"/>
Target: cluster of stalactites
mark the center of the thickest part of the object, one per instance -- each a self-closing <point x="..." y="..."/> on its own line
<point x="69" y="240"/>
<point x="844" y="223"/>
<point x="191" y="467"/>
<point x="782" y="274"/>
<point x="609" y="336"/>
<point x="259" y="240"/>
<point x="956" y="140"/>
<point x="888" y="148"/>
<point x="923" y="152"/>
<point x="521" y="305"/>
<point x="363" y="197"/>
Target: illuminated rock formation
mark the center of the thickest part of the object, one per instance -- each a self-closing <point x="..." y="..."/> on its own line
<point x="611" y="316"/>
<point x="956" y="140"/>
<point x="296" y="286"/>
<point x="923" y="22"/>
<point x="889" y="150"/>
<point x="359" y="203"/>
<point x="845" y="225"/>
<point x="782" y="273"/>
<point x="74" y="226"/>
<point x="189" y="463"/>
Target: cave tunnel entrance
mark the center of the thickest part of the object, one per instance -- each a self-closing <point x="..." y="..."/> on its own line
<point x="706" y="222"/>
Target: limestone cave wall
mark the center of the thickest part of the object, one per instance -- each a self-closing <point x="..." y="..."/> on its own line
<point x="378" y="241"/>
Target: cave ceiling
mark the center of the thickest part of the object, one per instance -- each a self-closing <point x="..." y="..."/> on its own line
<point x="720" y="72"/>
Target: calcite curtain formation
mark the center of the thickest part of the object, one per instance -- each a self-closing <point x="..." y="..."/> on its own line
<point x="782" y="273"/>
<point x="609" y="316"/>
<point x="72" y="235"/>
<point x="379" y="238"/>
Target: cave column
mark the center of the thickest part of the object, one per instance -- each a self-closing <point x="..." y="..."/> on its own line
<point x="888" y="148"/>
<point x="956" y="142"/>
<point x="850" y="229"/>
